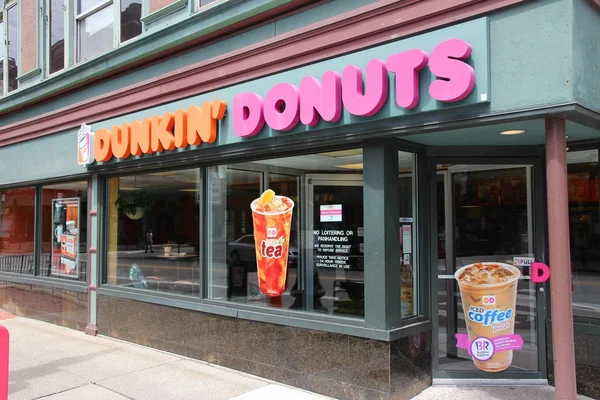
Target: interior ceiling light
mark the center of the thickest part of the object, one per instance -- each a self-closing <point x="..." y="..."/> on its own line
<point x="512" y="132"/>
<point x="350" y="166"/>
<point x="342" y="153"/>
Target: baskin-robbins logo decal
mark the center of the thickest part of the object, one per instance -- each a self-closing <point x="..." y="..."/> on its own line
<point x="285" y="104"/>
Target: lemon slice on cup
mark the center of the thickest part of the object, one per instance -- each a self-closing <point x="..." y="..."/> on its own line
<point x="266" y="197"/>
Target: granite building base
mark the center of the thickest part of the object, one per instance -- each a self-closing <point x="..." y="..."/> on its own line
<point x="587" y="363"/>
<point x="57" y="306"/>
<point x="343" y="366"/>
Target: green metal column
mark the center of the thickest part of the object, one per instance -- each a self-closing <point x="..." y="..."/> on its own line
<point x="92" y="251"/>
<point x="382" y="246"/>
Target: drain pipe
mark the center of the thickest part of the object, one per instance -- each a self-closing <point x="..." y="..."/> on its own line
<point x="563" y="346"/>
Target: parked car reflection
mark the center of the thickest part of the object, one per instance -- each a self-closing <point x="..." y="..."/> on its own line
<point x="243" y="249"/>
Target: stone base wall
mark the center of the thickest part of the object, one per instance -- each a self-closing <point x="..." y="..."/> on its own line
<point x="587" y="363"/>
<point x="57" y="306"/>
<point x="337" y="365"/>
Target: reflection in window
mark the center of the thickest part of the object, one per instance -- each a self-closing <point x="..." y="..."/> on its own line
<point x="95" y="34"/>
<point x="153" y="232"/>
<point x="131" y="14"/>
<point x="12" y="42"/>
<point x="584" y="229"/>
<point x="17" y="230"/>
<point x="491" y="214"/>
<point x="57" y="36"/>
<point x="64" y="231"/>
<point x="322" y="239"/>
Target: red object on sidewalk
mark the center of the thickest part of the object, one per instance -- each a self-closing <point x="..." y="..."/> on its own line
<point x="3" y="363"/>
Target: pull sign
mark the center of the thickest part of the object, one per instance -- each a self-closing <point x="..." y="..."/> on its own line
<point x="523" y="261"/>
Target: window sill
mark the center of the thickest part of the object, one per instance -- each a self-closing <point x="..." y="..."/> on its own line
<point x="298" y="319"/>
<point x="163" y="12"/>
<point x="45" y="282"/>
<point x="28" y="75"/>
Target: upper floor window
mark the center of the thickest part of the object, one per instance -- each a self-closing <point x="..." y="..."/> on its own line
<point x="101" y="25"/>
<point x="9" y="24"/>
<point x="56" y="35"/>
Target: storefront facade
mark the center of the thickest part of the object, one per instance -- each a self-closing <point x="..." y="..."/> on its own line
<point x="407" y="139"/>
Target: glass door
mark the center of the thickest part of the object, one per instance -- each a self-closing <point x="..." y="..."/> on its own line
<point x="487" y="313"/>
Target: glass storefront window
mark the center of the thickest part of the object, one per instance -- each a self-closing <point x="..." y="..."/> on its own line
<point x="408" y="235"/>
<point x="153" y="231"/>
<point x="64" y="231"/>
<point x="584" y="228"/>
<point x="17" y="224"/>
<point x="305" y="257"/>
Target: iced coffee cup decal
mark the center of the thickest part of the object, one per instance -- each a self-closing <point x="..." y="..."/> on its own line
<point x="272" y="218"/>
<point x="489" y="292"/>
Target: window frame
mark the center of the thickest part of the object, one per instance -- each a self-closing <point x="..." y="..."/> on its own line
<point x="39" y="227"/>
<point x="297" y="318"/>
<point x="48" y="38"/>
<point x="4" y="19"/>
<point x="582" y="324"/>
<point x="36" y="278"/>
<point x="78" y="17"/>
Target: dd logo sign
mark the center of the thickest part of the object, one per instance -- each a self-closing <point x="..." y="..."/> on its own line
<point x="489" y="300"/>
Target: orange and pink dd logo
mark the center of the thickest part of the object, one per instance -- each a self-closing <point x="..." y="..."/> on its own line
<point x="489" y="300"/>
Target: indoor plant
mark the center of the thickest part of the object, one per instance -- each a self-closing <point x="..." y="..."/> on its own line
<point x="134" y="206"/>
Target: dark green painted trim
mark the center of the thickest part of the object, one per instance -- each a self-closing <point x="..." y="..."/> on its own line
<point x="163" y="12"/>
<point x="411" y="327"/>
<point x="279" y="312"/>
<point x="526" y="155"/>
<point x="80" y="287"/>
<point x="272" y="316"/>
<point x="540" y="236"/>
<point x="28" y="75"/>
<point x="37" y="230"/>
<point x="382" y="253"/>
<point x="165" y="299"/>
<point x="432" y="263"/>
<point x="424" y="244"/>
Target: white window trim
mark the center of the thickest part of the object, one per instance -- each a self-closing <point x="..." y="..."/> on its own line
<point x="5" y="58"/>
<point x="116" y="4"/>
<point x="47" y="41"/>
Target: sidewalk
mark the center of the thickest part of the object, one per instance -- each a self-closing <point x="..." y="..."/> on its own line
<point x="51" y="362"/>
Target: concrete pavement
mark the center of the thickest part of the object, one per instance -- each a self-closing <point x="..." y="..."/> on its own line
<point x="51" y="362"/>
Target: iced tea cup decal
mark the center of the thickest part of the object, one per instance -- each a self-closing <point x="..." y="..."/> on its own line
<point x="272" y="218"/>
<point x="489" y="293"/>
